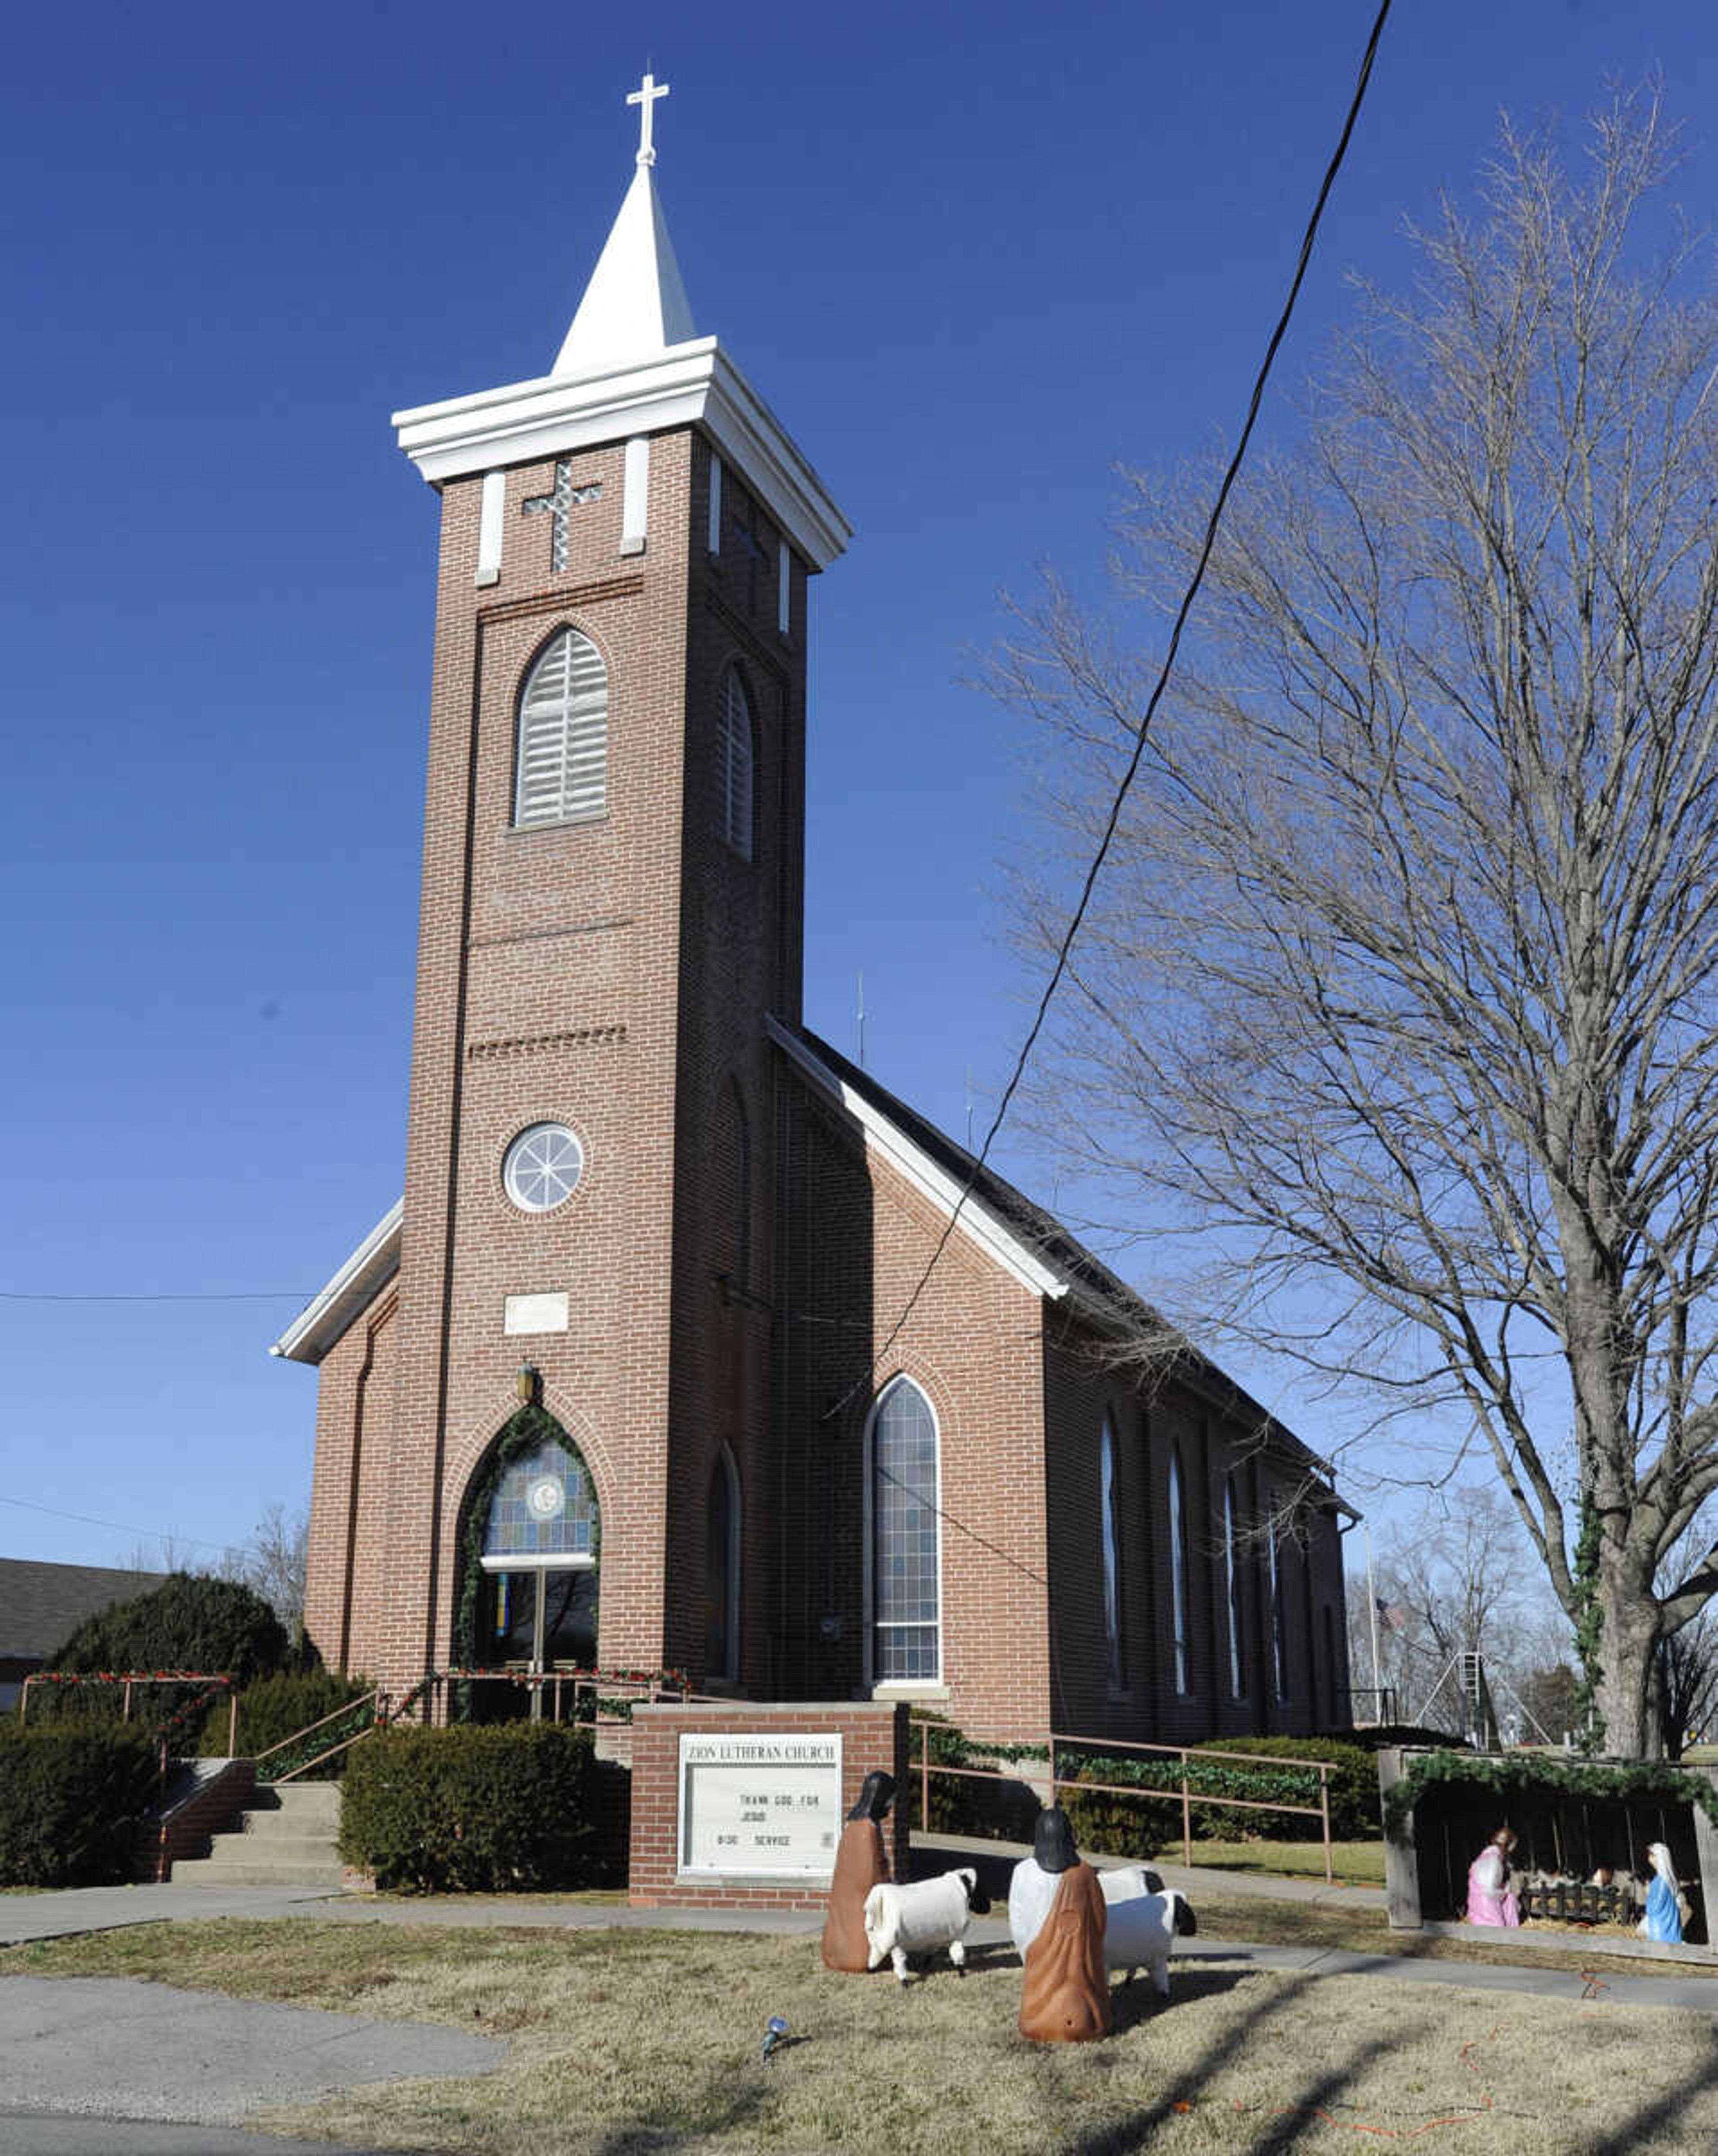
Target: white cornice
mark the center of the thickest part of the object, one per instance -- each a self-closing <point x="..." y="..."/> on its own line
<point x="326" y="1316"/>
<point x="691" y="384"/>
<point x="977" y="1222"/>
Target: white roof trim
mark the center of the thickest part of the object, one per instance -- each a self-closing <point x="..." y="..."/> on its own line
<point x="977" y="1222"/>
<point x="694" y="383"/>
<point x="326" y="1316"/>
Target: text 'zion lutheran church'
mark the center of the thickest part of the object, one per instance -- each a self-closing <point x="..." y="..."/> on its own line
<point x="619" y="1380"/>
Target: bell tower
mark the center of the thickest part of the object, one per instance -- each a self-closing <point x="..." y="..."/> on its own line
<point x="612" y="905"/>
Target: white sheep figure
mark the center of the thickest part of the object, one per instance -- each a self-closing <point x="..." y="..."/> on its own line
<point x="1143" y="1923"/>
<point x="920" y="1918"/>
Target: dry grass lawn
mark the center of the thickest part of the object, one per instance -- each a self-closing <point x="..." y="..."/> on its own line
<point x="1355" y="1863"/>
<point x="640" y="2043"/>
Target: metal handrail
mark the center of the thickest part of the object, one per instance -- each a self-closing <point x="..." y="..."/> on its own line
<point x="374" y="1700"/>
<point x="1187" y="1795"/>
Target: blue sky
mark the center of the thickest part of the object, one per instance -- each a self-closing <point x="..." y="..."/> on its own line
<point x="973" y="256"/>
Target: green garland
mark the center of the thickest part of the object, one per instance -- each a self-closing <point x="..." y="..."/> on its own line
<point x="1589" y="1624"/>
<point x="1515" y="1776"/>
<point x="533" y="1425"/>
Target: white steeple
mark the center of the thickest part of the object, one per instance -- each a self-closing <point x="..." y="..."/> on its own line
<point x="635" y="305"/>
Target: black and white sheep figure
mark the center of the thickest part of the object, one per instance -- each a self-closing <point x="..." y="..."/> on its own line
<point x="921" y="1917"/>
<point x="1142" y="1925"/>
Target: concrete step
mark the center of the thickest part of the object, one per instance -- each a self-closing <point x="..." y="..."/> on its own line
<point x="310" y="1806"/>
<point x="247" y="1848"/>
<point x="220" y="1871"/>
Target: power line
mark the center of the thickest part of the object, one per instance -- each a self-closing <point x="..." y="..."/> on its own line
<point x="119" y="1527"/>
<point x="1182" y="612"/>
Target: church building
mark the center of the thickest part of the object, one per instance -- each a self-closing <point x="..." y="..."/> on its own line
<point x="624" y="1379"/>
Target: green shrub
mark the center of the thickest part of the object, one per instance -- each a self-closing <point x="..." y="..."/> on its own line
<point x="189" y="1622"/>
<point x="274" y="1708"/>
<point x="1354" y="1791"/>
<point x="1125" y="1825"/>
<point x="485" y="1809"/>
<point x="71" y="1801"/>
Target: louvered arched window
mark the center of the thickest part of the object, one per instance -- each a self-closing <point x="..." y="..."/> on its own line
<point x="563" y="734"/>
<point x="734" y="766"/>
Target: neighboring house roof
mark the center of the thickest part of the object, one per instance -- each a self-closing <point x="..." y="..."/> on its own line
<point x="42" y="1606"/>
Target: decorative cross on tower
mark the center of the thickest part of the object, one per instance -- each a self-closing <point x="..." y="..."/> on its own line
<point x="559" y="504"/>
<point x="645" y="97"/>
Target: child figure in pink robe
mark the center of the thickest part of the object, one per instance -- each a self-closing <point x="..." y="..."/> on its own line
<point x="1489" y="1901"/>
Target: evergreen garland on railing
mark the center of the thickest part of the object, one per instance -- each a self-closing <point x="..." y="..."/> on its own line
<point x="361" y="1715"/>
<point x="1515" y="1776"/>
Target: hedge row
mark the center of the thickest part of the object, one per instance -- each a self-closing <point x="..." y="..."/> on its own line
<point x="489" y="1809"/>
<point x="1124" y="1825"/>
<point x="71" y="1801"/>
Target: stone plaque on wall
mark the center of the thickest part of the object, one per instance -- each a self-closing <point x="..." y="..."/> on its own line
<point x="759" y="1802"/>
<point x="535" y="1313"/>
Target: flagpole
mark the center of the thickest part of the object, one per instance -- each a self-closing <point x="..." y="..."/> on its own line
<point x="1372" y="1613"/>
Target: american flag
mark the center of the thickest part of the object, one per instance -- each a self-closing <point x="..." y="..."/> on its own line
<point x="1391" y="1612"/>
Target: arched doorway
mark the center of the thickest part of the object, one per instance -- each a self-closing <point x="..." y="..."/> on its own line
<point x="530" y="1553"/>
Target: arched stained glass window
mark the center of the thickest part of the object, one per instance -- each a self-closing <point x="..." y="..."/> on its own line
<point x="1279" y="1643"/>
<point x="541" y="1509"/>
<point x="562" y="769"/>
<point x="907" y="1638"/>
<point x="734" y="765"/>
<point x="1110" y="1525"/>
<point x="1178" y="1570"/>
<point x="1231" y="1587"/>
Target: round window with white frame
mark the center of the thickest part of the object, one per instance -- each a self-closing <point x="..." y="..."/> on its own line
<point x="543" y="1166"/>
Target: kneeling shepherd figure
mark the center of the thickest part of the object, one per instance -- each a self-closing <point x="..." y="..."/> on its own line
<point x="861" y="1863"/>
<point x="1056" y="1912"/>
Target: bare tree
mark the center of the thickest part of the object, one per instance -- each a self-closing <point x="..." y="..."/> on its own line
<point x="1451" y="1582"/>
<point x="1400" y="982"/>
<point x="272" y="1562"/>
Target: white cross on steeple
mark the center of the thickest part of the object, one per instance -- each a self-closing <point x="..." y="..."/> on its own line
<point x="645" y="97"/>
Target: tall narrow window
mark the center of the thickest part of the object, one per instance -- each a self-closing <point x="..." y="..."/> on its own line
<point x="1279" y="1644"/>
<point x="907" y="1643"/>
<point x="722" y="1572"/>
<point x="1178" y="1569"/>
<point x="563" y="771"/>
<point x="1110" y="1525"/>
<point x="734" y="766"/>
<point x="1231" y="1587"/>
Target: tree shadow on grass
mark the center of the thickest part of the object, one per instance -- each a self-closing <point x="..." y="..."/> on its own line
<point x="1646" y="2127"/>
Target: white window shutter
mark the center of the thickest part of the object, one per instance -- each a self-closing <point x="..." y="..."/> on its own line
<point x="563" y="734"/>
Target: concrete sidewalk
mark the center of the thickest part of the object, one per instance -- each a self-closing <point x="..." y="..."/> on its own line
<point x="97" y="2048"/>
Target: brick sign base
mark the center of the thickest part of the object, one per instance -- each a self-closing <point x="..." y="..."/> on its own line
<point x="872" y="1736"/>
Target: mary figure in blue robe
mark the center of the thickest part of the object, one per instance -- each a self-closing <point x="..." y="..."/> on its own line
<point x="1664" y="1902"/>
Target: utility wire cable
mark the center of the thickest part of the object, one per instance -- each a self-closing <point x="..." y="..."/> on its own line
<point x="166" y="1537"/>
<point x="1229" y="476"/>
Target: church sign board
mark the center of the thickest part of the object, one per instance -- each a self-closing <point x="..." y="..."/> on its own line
<point x="759" y="1802"/>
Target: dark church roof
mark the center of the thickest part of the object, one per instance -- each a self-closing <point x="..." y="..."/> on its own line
<point x="42" y="1606"/>
<point x="1101" y="1295"/>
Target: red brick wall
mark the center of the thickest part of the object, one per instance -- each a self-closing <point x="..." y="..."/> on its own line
<point x="873" y="1737"/>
